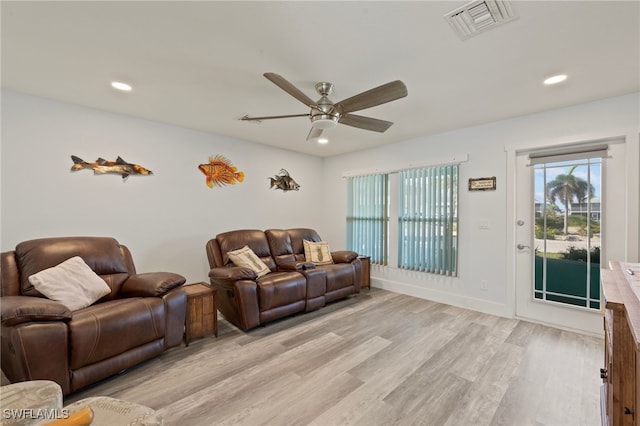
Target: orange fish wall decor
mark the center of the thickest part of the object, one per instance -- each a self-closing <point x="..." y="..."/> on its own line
<point x="220" y="172"/>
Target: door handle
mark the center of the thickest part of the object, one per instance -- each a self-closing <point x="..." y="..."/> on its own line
<point x="522" y="247"/>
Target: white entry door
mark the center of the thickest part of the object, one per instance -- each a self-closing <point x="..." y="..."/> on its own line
<point x="557" y="235"/>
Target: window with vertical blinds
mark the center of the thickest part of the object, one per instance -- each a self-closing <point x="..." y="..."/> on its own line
<point x="428" y="220"/>
<point x="426" y="202"/>
<point x="368" y="216"/>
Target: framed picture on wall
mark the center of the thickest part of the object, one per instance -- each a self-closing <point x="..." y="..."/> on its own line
<point x="482" y="184"/>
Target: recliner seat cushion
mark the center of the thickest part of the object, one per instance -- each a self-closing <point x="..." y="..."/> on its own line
<point x="107" y="329"/>
<point x="280" y="289"/>
<point x="339" y="275"/>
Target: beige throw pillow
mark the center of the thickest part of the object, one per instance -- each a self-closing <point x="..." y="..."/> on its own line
<point x="317" y="253"/>
<point x="72" y="283"/>
<point x="246" y="258"/>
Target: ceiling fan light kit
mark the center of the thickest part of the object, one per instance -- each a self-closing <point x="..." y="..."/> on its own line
<point x="324" y="114"/>
<point x="324" y="121"/>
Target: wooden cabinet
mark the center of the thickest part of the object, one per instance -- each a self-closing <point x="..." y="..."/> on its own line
<point x="202" y="314"/>
<point x="621" y="388"/>
<point x="366" y="271"/>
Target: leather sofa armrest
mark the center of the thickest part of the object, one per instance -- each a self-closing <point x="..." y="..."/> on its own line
<point x="151" y="284"/>
<point x="18" y="309"/>
<point x="232" y="273"/>
<point x="344" y="256"/>
<point x="296" y="266"/>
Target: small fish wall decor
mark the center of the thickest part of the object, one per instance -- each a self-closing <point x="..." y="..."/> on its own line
<point x="220" y="172"/>
<point x="102" y="166"/>
<point x="284" y="181"/>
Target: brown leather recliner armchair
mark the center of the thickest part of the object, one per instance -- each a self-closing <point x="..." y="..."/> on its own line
<point x="293" y="285"/>
<point x="42" y="339"/>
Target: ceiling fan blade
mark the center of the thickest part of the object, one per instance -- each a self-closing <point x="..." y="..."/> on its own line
<point x="314" y="133"/>
<point x="271" y="117"/>
<point x="366" y="123"/>
<point x="376" y="96"/>
<point x="290" y="89"/>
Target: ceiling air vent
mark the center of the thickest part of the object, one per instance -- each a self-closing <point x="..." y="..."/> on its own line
<point x="479" y="16"/>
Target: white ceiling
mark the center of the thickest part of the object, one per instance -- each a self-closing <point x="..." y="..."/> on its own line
<point x="199" y="64"/>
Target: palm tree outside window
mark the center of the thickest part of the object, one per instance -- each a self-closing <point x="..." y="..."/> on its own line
<point x="568" y="187"/>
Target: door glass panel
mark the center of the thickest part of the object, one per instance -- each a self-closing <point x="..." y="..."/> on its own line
<point x="567" y="199"/>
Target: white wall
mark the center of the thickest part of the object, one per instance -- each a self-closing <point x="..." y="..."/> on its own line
<point x="165" y="219"/>
<point x="488" y="254"/>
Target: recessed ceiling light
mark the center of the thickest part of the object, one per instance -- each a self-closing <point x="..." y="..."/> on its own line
<point x="121" y="86"/>
<point x="555" y="79"/>
<point x="323" y="141"/>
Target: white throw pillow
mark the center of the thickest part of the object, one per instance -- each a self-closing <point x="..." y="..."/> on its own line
<point x="246" y="258"/>
<point x="72" y="283"/>
<point x="317" y="253"/>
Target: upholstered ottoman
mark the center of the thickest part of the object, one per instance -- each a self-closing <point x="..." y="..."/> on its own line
<point x="114" y="412"/>
<point x="29" y="403"/>
<point x="39" y="402"/>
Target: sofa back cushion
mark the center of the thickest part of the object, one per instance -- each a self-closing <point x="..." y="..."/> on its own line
<point x="102" y="254"/>
<point x="255" y="239"/>
<point x="280" y="246"/>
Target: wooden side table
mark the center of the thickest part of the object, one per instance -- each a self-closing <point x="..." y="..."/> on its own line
<point x="202" y="315"/>
<point x="366" y="271"/>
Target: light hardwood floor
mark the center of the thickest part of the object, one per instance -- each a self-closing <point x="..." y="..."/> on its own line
<point x="379" y="358"/>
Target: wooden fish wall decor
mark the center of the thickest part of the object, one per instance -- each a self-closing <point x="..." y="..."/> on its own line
<point x="284" y="181"/>
<point x="102" y="166"/>
<point x="220" y="172"/>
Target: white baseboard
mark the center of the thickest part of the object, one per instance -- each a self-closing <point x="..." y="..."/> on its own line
<point x="466" y="302"/>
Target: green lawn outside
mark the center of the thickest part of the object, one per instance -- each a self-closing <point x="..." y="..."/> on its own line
<point x="568" y="277"/>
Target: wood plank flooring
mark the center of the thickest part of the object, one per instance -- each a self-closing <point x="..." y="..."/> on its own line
<point x="379" y="358"/>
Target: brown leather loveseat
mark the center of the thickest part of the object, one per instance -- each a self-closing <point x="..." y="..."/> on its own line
<point x="41" y="339"/>
<point x="291" y="284"/>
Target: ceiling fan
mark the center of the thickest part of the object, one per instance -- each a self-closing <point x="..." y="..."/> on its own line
<point x="325" y="114"/>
